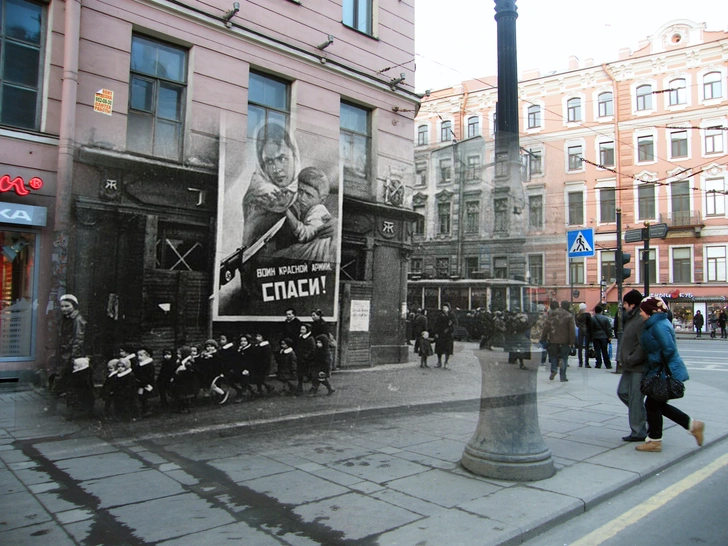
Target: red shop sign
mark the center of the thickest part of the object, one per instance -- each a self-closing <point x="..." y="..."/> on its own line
<point x="17" y="184"/>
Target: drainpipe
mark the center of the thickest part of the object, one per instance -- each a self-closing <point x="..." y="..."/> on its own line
<point x="62" y="218"/>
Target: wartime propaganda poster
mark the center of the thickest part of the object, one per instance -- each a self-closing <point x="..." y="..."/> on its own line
<point x="278" y="228"/>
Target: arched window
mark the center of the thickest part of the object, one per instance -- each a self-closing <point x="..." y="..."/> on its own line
<point x="473" y="126"/>
<point x="644" y="97"/>
<point x="573" y="109"/>
<point x="534" y="116"/>
<point x="446" y="131"/>
<point x="606" y="104"/>
<point x="712" y="86"/>
<point x="678" y="93"/>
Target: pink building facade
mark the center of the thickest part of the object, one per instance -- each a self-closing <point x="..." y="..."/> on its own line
<point x="132" y="139"/>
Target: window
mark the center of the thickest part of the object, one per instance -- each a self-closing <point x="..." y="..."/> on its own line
<point x="715" y="258"/>
<point x="679" y="144"/>
<point x="268" y="103"/>
<point x="535" y="268"/>
<point x="420" y="222"/>
<point x="355" y="131"/>
<point x="472" y="216"/>
<point x="534" y="116"/>
<point x="713" y="140"/>
<point x="712" y="86"/>
<point x="416" y="265"/>
<point x="575" y="163"/>
<point x="472" y="171"/>
<point x="422" y="135"/>
<point x="609" y="266"/>
<point x="573" y="110"/>
<point x="501" y="164"/>
<point x="576" y="271"/>
<point x="535" y="161"/>
<point x="500" y="214"/>
<point x="606" y="104"/>
<point x="652" y="265"/>
<point x="442" y="267"/>
<point x="680" y="203"/>
<point x="714" y="197"/>
<point x="681" y="265"/>
<point x="18" y="293"/>
<point x="443" y="218"/>
<point x="471" y="266"/>
<point x="644" y="97"/>
<point x="156" y="98"/>
<point x="181" y="248"/>
<point x="445" y="171"/>
<point x="535" y="211"/>
<point x="646" y="202"/>
<point x="421" y="173"/>
<point x="677" y="94"/>
<point x="576" y="208"/>
<point x="606" y="154"/>
<point x="500" y="267"/>
<point x="473" y="126"/>
<point x="21" y="46"/>
<point x="645" y="148"/>
<point x="446" y="131"/>
<point x="607" y="205"/>
<point x="358" y="15"/>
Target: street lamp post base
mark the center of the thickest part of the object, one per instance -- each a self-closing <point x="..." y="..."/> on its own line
<point x="507" y="443"/>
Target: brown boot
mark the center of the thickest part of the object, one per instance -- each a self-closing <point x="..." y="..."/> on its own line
<point x="696" y="429"/>
<point x="653" y="446"/>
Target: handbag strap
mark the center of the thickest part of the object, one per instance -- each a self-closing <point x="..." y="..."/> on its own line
<point x="664" y="365"/>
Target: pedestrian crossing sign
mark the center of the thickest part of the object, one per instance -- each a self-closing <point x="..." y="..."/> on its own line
<point x="580" y="243"/>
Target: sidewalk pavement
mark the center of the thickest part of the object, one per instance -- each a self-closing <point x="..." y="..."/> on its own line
<point x="377" y="463"/>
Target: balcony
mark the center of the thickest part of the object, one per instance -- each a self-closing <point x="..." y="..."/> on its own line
<point x="683" y="218"/>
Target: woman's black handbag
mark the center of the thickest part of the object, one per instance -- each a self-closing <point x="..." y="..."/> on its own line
<point x="662" y="386"/>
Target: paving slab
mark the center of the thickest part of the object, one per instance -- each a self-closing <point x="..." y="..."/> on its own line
<point x="131" y="488"/>
<point x="295" y="487"/>
<point x="443" y="488"/>
<point x="74" y="448"/>
<point x="100" y="466"/>
<point x="33" y="535"/>
<point x="233" y="533"/>
<point x="378" y="467"/>
<point x="248" y="467"/>
<point x="26" y="510"/>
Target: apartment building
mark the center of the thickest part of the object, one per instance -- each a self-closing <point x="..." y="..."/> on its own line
<point x="644" y="134"/>
<point x="189" y="168"/>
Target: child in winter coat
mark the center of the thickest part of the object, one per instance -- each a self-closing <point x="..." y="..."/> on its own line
<point x="124" y="397"/>
<point x="287" y="363"/>
<point x="81" y="387"/>
<point x="321" y="365"/>
<point x="165" y="378"/>
<point x="262" y="358"/>
<point x="143" y="370"/>
<point x="424" y="348"/>
<point x="109" y="386"/>
<point x="186" y="383"/>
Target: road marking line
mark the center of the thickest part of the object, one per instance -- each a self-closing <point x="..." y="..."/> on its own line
<point x="611" y="529"/>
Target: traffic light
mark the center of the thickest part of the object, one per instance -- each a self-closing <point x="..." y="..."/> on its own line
<point x="624" y="272"/>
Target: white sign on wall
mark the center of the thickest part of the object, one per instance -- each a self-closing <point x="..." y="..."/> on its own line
<point x="359" y="316"/>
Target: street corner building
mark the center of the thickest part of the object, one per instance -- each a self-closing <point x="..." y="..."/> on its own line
<point x="188" y="168"/>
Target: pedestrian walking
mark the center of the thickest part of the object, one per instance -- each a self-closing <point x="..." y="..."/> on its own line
<point x="419" y="325"/>
<point x="658" y="341"/>
<point x="424" y="348"/>
<point x="559" y="333"/>
<point x="291" y="326"/>
<point x="602" y="335"/>
<point x="143" y="369"/>
<point x="72" y="337"/>
<point x="698" y="322"/>
<point x="445" y="323"/>
<point x="304" y="354"/>
<point x="632" y="357"/>
<point x="286" y="364"/>
<point x="165" y="378"/>
<point x="722" y="321"/>
<point x="584" y="324"/>
<point x="320" y="366"/>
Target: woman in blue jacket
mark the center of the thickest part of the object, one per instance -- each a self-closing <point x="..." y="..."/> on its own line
<point x="658" y="341"/>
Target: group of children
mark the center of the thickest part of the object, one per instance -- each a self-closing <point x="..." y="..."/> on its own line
<point x="220" y="371"/>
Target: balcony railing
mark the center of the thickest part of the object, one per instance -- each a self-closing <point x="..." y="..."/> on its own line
<point x="681" y="218"/>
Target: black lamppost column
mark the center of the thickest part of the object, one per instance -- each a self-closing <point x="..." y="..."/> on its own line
<point x="507" y="443"/>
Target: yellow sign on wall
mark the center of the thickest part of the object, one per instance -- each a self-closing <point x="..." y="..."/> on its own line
<point x="104" y="101"/>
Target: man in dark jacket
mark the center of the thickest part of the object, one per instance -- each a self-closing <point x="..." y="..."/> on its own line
<point x="632" y="358"/>
<point x="722" y="321"/>
<point x="560" y="334"/>
<point x="698" y="322"/>
<point x="584" y="324"/>
<point x="601" y="337"/>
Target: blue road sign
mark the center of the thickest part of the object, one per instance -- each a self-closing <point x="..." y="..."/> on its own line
<point x="580" y="243"/>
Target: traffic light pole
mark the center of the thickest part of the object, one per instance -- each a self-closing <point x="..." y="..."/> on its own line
<point x="646" y="259"/>
<point x="619" y="266"/>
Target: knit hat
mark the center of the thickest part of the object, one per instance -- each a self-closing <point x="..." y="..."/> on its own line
<point x="73" y="300"/>
<point x="651" y="305"/>
<point x="582" y="306"/>
<point x="633" y="297"/>
<point x="213" y="343"/>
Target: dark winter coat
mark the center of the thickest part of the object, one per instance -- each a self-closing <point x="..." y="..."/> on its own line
<point x="631" y="354"/>
<point x="559" y="328"/>
<point x="698" y="321"/>
<point x="601" y="327"/>
<point x="444" y="327"/>
<point x="287" y="364"/>
<point x="321" y="357"/>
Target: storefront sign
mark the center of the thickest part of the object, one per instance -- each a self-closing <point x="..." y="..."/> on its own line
<point x="11" y="213"/>
<point x="104" y="101"/>
<point x="674" y="295"/>
<point x="18" y="186"/>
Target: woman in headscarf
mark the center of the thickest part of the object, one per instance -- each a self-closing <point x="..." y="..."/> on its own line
<point x="72" y="337"/>
<point x="445" y="323"/>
